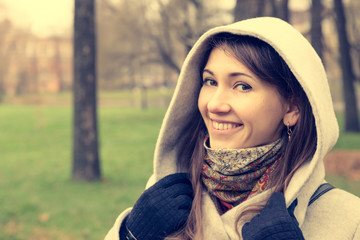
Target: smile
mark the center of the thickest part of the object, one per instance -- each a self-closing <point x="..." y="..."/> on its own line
<point x="224" y="126"/>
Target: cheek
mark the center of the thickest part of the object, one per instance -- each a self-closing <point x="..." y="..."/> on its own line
<point x="252" y="110"/>
<point x="262" y="113"/>
<point x="272" y="115"/>
<point x="202" y="103"/>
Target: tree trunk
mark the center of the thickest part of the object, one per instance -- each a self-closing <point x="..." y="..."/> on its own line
<point x="316" y="29"/>
<point x="351" y="110"/>
<point x="280" y="9"/>
<point x="86" y="164"/>
<point x="245" y="9"/>
<point x="261" y="8"/>
<point x="284" y="9"/>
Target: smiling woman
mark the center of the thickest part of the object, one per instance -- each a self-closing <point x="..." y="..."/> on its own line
<point x="229" y="89"/>
<point x="241" y="148"/>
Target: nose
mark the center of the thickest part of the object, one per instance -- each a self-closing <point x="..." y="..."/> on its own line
<point x="219" y="103"/>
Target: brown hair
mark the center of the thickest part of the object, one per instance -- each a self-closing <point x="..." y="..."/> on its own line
<point x="261" y="59"/>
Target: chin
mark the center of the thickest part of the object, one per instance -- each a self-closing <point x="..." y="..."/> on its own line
<point x="226" y="145"/>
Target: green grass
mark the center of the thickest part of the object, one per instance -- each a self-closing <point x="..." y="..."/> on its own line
<point x="37" y="198"/>
<point x="347" y="140"/>
<point x="35" y="146"/>
<point x="127" y="98"/>
<point x="344" y="183"/>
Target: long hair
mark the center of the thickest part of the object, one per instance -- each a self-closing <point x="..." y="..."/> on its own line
<point x="262" y="60"/>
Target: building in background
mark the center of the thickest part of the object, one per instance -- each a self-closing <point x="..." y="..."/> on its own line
<point x="30" y="64"/>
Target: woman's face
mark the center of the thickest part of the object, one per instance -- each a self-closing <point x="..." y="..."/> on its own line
<point x="239" y="109"/>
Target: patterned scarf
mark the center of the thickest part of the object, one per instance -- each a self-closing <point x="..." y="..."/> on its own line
<point x="233" y="175"/>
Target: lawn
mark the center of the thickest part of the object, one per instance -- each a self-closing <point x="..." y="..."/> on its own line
<point x="37" y="198"/>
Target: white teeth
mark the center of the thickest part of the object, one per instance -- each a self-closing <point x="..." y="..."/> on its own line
<point x="224" y="126"/>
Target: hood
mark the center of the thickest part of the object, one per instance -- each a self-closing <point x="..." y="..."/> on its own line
<point x="306" y="67"/>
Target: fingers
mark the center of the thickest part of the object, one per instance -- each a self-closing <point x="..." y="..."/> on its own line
<point x="277" y="201"/>
<point x="174" y="179"/>
<point x="185" y="202"/>
<point x="180" y="189"/>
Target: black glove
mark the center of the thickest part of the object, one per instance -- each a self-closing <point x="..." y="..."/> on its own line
<point x="274" y="222"/>
<point x="161" y="210"/>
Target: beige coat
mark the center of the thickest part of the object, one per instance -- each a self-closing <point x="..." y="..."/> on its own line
<point x="335" y="215"/>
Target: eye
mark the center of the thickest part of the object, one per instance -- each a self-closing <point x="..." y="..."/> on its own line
<point x="209" y="82"/>
<point x="243" y="87"/>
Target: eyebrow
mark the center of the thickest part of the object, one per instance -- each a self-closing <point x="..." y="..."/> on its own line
<point x="234" y="74"/>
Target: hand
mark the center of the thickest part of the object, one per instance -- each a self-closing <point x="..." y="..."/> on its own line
<point x="162" y="209"/>
<point x="274" y="222"/>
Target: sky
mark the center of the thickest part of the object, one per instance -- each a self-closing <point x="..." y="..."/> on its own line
<point x="43" y="17"/>
<point x="55" y="17"/>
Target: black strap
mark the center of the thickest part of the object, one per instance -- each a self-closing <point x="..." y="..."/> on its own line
<point x="322" y="189"/>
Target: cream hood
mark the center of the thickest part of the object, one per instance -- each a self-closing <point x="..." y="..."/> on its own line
<point x="307" y="68"/>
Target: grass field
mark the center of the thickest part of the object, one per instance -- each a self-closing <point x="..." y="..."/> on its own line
<point x="37" y="198"/>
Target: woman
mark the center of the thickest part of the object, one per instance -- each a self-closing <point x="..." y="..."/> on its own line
<point x="241" y="148"/>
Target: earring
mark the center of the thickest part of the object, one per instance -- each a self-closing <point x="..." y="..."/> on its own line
<point x="289" y="132"/>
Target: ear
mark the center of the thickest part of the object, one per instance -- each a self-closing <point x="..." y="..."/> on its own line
<point x="292" y="115"/>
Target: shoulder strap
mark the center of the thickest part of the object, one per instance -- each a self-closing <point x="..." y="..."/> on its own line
<point x="322" y="189"/>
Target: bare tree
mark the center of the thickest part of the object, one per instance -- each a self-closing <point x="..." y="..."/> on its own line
<point x="86" y="164"/>
<point x="179" y="25"/>
<point x="354" y="32"/>
<point x="284" y="10"/>
<point x="151" y="33"/>
<point x="245" y="9"/>
<point x="4" y="56"/>
<point x="351" y="109"/>
<point x="316" y="27"/>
